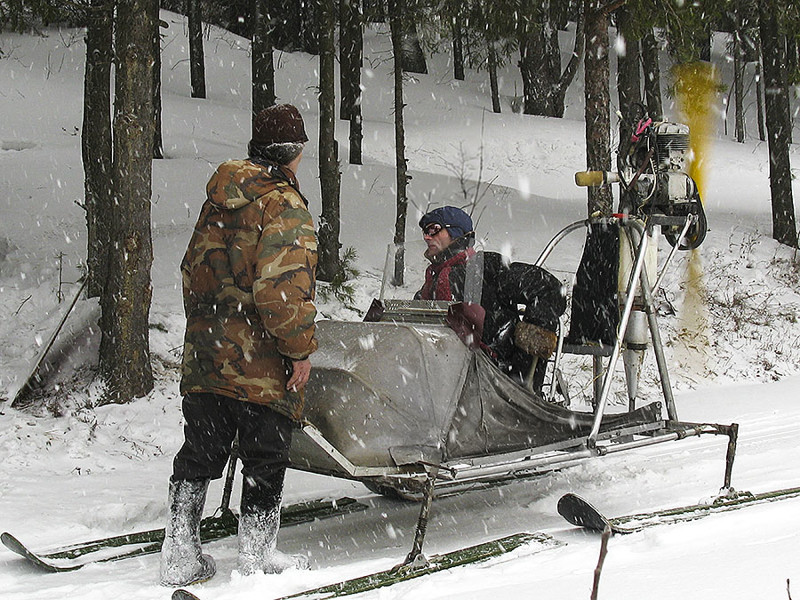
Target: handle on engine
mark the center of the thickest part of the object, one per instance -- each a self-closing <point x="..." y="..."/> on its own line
<point x="595" y="178"/>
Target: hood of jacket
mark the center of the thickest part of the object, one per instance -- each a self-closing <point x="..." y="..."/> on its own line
<point x="237" y="183"/>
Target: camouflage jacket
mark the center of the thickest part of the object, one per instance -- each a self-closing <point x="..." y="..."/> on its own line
<point x="248" y="287"/>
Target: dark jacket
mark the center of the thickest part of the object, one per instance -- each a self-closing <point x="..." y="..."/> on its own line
<point x="505" y="288"/>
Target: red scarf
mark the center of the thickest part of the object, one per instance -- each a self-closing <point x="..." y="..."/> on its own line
<point x="437" y="277"/>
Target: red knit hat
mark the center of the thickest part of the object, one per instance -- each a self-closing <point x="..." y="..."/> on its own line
<point x="279" y="124"/>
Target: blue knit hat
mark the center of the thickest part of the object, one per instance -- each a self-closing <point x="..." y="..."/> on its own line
<point x="456" y="221"/>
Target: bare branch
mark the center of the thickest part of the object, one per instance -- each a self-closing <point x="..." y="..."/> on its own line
<point x="599" y="568"/>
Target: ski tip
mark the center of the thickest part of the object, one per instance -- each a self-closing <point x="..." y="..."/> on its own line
<point x="181" y="594"/>
<point x="567" y="505"/>
<point x="580" y="512"/>
<point x="12" y="543"/>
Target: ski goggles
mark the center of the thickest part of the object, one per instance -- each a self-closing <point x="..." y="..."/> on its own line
<point x="432" y="230"/>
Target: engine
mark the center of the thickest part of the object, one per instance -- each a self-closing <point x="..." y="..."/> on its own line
<point x="654" y="180"/>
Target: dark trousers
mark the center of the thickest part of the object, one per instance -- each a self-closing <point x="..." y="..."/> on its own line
<point x="211" y="423"/>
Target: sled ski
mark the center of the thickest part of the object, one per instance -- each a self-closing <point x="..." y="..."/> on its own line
<point x="75" y="556"/>
<point x="440" y="562"/>
<point x="580" y="512"/>
<point x="28" y="382"/>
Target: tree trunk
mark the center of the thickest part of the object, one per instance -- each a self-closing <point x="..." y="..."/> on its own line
<point x="356" y="129"/>
<point x="598" y="118"/>
<point x="544" y="86"/>
<point x="491" y="52"/>
<point x="329" y="176"/>
<point x="779" y="125"/>
<point x="96" y="146"/>
<point x="413" y="56"/>
<point x="792" y="54"/>
<point x="652" y="76"/>
<point x="197" y="68"/>
<point x="374" y="11"/>
<point x="262" y="67"/>
<point x="571" y="69"/>
<point x="458" y="46"/>
<point x="791" y="66"/>
<point x="396" y="14"/>
<point x="125" y="302"/>
<point x="295" y="26"/>
<point x="349" y="56"/>
<point x="346" y="99"/>
<point x="158" y="138"/>
<point x="762" y="135"/>
<point x="564" y="11"/>
<point x="288" y="24"/>
<point x="540" y="63"/>
<point x="238" y="17"/>
<point x="359" y="32"/>
<point x="352" y="53"/>
<point x="738" y="84"/>
<point x="629" y="82"/>
<point x="356" y="135"/>
<point x="309" y="34"/>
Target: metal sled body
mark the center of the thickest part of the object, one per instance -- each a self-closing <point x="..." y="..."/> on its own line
<point x="391" y="402"/>
<point x="387" y="400"/>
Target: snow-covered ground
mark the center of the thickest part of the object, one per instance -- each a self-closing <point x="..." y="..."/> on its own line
<point x="71" y="470"/>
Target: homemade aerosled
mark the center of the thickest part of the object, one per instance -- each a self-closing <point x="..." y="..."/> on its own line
<point x="405" y="407"/>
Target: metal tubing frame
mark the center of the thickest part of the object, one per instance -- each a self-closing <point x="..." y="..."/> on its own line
<point x="658" y="348"/>
<point x="455" y="475"/>
<point x="548" y="249"/>
<point x="522" y="463"/>
<point x="621" y="329"/>
<point x="640" y="274"/>
<point x="543" y="256"/>
<point x="684" y="231"/>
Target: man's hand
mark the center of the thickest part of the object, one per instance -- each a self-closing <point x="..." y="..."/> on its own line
<point x="301" y="369"/>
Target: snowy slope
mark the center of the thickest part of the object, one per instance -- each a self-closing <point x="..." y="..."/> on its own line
<point x="79" y="471"/>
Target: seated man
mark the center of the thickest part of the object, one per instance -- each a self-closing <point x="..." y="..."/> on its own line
<point x="448" y="233"/>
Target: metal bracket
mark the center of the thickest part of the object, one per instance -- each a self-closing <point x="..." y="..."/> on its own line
<point x="415" y="558"/>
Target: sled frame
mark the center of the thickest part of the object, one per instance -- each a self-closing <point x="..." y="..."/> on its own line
<point x="638" y="289"/>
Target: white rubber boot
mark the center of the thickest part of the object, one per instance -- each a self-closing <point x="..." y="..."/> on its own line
<point x="258" y="538"/>
<point x="182" y="562"/>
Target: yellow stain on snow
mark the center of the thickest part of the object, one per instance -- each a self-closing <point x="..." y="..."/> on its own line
<point x="696" y="89"/>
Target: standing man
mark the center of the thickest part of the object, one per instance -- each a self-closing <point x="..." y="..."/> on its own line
<point x="248" y="290"/>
